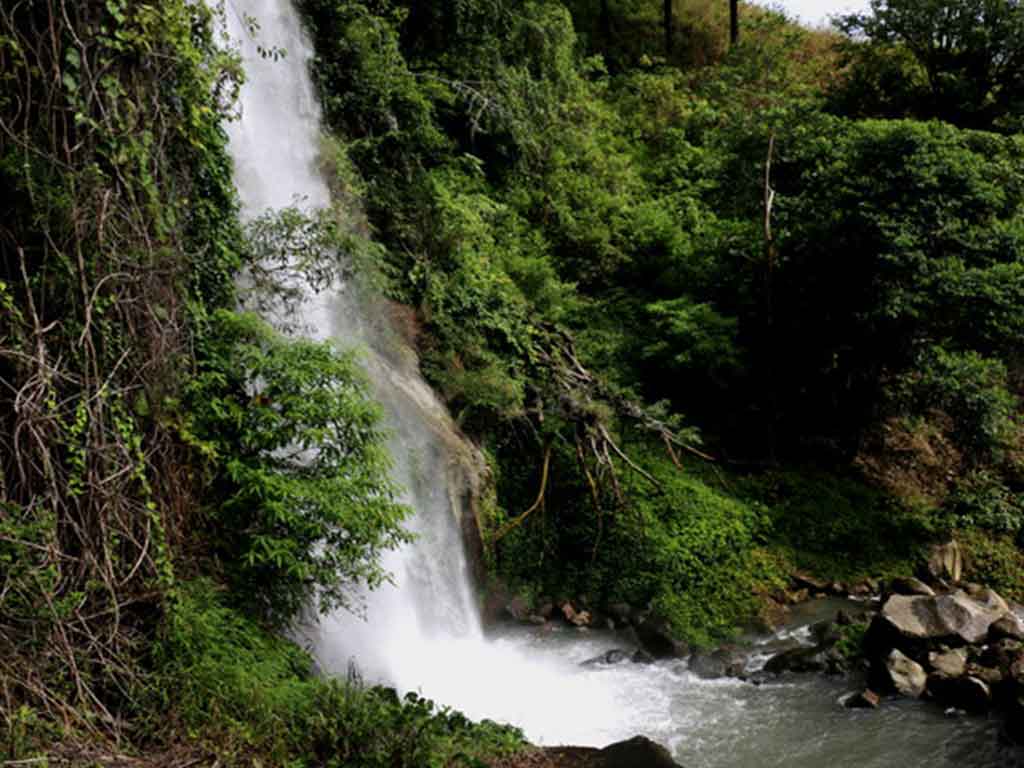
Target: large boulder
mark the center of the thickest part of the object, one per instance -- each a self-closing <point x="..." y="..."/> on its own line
<point x="955" y="619"/>
<point x="1007" y="626"/>
<point x="905" y="675"/>
<point x="638" y="752"/>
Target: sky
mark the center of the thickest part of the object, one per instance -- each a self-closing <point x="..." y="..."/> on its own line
<point x="816" y="12"/>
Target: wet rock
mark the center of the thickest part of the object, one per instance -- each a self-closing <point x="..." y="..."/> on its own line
<point x="863" y="589"/>
<point x="866" y="699"/>
<point x="638" y="752"/>
<point x="949" y="663"/>
<point x="826" y="633"/>
<point x="843" y="619"/>
<point x="608" y="658"/>
<point x="727" y="661"/>
<point x="656" y="638"/>
<point x="640" y="656"/>
<point x="798" y="660"/>
<point x="1006" y="627"/>
<point x="967" y="693"/>
<point x="956" y="619"/>
<point x="537" y="620"/>
<point x="908" y="585"/>
<point x="574" y="617"/>
<point x="946" y="562"/>
<point x="905" y="675"/>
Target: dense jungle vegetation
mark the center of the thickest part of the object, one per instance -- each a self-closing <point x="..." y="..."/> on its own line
<point x="717" y="304"/>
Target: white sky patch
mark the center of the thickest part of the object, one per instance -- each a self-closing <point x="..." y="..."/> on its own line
<point x="816" y="12"/>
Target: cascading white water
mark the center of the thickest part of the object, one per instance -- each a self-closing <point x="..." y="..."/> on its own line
<point x="424" y="633"/>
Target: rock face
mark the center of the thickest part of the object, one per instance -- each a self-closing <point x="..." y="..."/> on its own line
<point x="608" y="658"/>
<point x="955" y="618"/>
<point x="905" y="675"/>
<point x="910" y="586"/>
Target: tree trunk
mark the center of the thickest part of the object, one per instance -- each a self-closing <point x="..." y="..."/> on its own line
<point x="669" y="24"/>
<point x="734" y="21"/>
<point x="606" y="24"/>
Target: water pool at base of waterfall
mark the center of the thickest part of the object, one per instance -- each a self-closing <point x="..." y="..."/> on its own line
<point x="794" y="721"/>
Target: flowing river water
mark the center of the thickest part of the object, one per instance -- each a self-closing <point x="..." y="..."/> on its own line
<point x="423" y="633"/>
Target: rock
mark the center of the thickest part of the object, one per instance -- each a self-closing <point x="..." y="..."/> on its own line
<point x="967" y="693"/>
<point x="843" y="619"/>
<point x="948" y="663"/>
<point x="655" y="637"/>
<point x="866" y="699"/>
<point x="1006" y="627"/>
<point x="826" y="633"/>
<point x="798" y="596"/>
<point x="614" y="656"/>
<point x="727" y="661"/>
<point x="567" y="610"/>
<point x="638" y="752"/>
<point x="908" y="585"/>
<point x="955" y="618"/>
<point x="905" y="675"/>
<point x="536" y="619"/>
<point x="806" y="581"/>
<point x="798" y="660"/>
<point x="988" y="675"/>
<point x="837" y="588"/>
<point x="863" y="589"/>
<point x="621" y="612"/>
<point x="1002" y="653"/>
<point x="946" y="561"/>
<point x="642" y="657"/>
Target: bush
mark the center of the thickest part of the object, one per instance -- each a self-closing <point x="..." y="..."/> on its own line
<point x="250" y="697"/>
<point x="303" y="504"/>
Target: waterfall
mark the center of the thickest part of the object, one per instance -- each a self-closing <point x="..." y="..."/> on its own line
<point x="275" y="147"/>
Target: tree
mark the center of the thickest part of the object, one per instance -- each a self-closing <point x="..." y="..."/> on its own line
<point x="669" y="24"/>
<point x="734" y="21"/>
<point x="971" y="51"/>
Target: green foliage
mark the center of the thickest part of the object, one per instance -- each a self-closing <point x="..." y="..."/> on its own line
<point x="851" y="641"/>
<point x="247" y="696"/>
<point x="837" y="525"/>
<point x="967" y="49"/>
<point x="305" y="504"/>
<point x="995" y="560"/>
<point x="971" y="389"/>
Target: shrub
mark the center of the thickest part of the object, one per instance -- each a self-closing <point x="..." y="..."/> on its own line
<point x="305" y="505"/>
